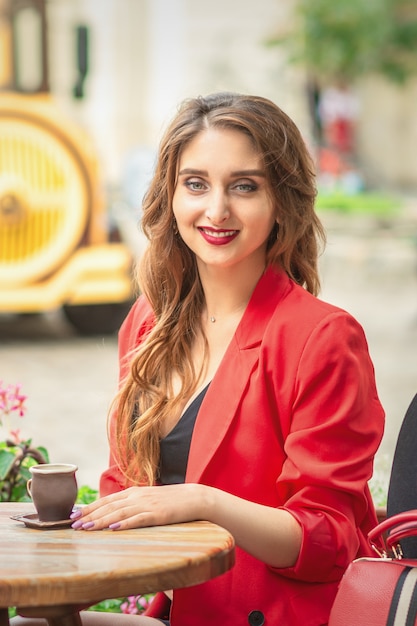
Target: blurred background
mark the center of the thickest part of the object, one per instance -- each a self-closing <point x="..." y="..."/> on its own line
<point x="86" y="89"/>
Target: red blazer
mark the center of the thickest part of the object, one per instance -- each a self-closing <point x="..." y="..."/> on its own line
<point x="291" y="419"/>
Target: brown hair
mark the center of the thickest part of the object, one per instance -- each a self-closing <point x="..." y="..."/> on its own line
<point x="168" y="274"/>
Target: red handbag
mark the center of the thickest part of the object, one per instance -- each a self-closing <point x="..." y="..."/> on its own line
<point x="380" y="591"/>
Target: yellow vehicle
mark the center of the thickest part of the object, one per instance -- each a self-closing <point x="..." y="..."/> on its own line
<point x="57" y="249"/>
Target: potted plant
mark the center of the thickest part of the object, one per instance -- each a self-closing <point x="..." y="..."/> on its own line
<point x="16" y="454"/>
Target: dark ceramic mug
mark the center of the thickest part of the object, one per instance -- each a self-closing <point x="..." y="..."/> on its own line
<point x="53" y="489"/>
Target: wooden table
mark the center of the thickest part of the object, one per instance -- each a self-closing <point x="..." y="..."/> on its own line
<point x="55" y="573"/>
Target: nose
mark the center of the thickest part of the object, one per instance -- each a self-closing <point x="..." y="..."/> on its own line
<point x="217" y="210"/>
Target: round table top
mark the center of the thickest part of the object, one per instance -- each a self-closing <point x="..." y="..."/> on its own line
<point x="41" y="567"/>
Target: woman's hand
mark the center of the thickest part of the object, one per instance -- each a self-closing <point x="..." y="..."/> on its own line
<point x="142" y="506"/>
<point x="271" y="535"/>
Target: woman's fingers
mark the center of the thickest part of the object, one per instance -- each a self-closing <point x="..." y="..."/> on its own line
<point x="130" y="509"/>
<point x="117" y="520"/>
<point x="139" y="506"/>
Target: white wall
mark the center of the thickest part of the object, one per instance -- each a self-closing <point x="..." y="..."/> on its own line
<point x="388" y="132"/>
<point x="147" y="55"/>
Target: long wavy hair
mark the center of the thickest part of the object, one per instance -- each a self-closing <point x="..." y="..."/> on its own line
<point x="168" y="276"/>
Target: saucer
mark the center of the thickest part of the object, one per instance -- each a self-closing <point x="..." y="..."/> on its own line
<point x="32" y="520"/>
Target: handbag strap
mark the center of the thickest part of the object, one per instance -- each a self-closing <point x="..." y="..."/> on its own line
<point x="401" y="532"/>
<point x="385" y="536"/>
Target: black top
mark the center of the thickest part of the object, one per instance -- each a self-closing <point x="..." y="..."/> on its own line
<point x="175" y="447"/>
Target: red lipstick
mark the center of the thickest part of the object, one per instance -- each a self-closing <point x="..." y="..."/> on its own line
<point x="218" y="236"/>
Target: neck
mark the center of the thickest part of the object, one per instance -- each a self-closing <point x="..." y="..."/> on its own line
<point x="227" y="296"/>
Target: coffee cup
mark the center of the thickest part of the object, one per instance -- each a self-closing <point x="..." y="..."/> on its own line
<point x="53" y="489"/>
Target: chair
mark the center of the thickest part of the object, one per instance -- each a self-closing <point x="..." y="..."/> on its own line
<point x="402" y="488"/>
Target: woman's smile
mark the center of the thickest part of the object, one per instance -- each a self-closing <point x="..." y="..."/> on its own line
<point x="218" y="237"/>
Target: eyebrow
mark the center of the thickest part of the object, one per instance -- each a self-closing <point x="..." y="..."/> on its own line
<point x="191" y="171"/>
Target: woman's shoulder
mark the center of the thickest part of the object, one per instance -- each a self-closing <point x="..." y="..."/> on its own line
<point x="299" y="312"/>
<point x="141" y="308"/>
<point x="295" y="299"/>
<point x="318" y="308"/>
<point x="305" y="319"/>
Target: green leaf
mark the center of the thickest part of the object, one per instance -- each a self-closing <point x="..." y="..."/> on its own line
<point x="11" y="459"/>
<point x="44" y="453"/>
<point x="336" y="39"/>
<point x="108" y="606"/>
<point x="7" y="458"/>
<point x="86" y="495"/>
<point x="19" y="492"/>
<point x="24" y="473"/>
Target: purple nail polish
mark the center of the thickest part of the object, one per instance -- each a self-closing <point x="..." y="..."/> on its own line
<point x="115" y="526"/>
<point x="77" y="524"/>
<point x="76" y="514"/>
<point x="87" y="525"/>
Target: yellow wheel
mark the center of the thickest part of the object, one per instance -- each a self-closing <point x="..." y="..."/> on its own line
<point x="44" y="200"/>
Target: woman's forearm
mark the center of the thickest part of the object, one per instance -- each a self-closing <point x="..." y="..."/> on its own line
<point x="271" y="535"/>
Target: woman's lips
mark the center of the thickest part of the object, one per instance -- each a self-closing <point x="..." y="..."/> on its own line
<point x="217" y="237"/>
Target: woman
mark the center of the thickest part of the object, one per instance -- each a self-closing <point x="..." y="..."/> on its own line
<point x="244" y="399"/>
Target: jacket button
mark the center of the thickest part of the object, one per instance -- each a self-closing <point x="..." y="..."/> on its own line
<point x="256" y="618"/>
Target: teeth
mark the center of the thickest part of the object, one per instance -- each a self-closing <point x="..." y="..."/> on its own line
<point x="224" y="233"/>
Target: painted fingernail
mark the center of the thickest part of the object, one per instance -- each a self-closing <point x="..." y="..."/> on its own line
<point x="115" y="526"/>
<point x="77" y="524"/>
<point x="75" y="514"/>
<point x="88" y="525"/>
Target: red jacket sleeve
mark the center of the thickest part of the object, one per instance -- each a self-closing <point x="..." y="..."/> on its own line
<point x="336" y="427"/>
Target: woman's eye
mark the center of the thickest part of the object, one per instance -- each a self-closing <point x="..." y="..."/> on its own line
<point x="246" y="187"/>
<point x="194" y="185"/>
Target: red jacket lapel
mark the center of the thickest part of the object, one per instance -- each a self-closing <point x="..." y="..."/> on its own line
<point x="227" y="388"/>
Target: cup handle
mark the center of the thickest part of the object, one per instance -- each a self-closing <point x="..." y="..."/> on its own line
<point x="28" y="487"/>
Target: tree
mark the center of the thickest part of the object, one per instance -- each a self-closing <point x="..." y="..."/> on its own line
<point x="345" y="39"/>
<point x="338" y="42"/>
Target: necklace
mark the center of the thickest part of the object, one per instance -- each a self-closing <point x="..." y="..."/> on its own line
<point x="238" y="311"/>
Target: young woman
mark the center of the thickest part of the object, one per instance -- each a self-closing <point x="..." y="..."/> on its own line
<point x="244" y="400"/>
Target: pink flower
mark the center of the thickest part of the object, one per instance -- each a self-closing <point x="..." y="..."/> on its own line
<point x="143" y="602"/>
<point x="11" y="401"/>
<point x="134" y="605"/>
<point x="19" y="402"/>
<point x="15" y="436"/>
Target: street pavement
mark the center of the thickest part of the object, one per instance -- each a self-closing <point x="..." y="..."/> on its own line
<point x="369" y="268"/>
<point x="70" y="382"/>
